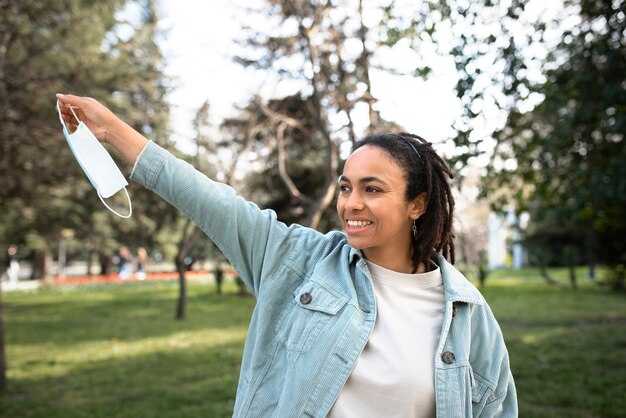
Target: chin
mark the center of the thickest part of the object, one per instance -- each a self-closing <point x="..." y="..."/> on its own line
<point x="358" y="244"/>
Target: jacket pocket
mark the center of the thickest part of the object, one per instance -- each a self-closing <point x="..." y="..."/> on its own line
<point x="481" y="390"/>
<point x="310" y="309"/>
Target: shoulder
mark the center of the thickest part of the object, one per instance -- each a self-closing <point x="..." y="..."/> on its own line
<point x="314" y="248"/>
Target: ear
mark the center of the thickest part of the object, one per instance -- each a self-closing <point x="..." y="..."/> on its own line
<point x="418" y="206"/>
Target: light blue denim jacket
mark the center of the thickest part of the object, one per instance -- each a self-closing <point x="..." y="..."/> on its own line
<point x="316" y="307"/>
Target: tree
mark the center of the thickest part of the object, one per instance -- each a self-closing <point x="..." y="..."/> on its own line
<point x="191" y="233"/>
<point x="39" y="56"/>
<point x="140" y="90"/>
<point x="3" y="362"/>
<point x="294" y="154"/>
<point x="566" y="157"/>
<point x="217" y="160"/>
<point x="35" y="50"/>
<point x="70" y="46"/>
<point x="325" y="50"/>
<point x="542" y="93"/>
<point x="48" y="47"/>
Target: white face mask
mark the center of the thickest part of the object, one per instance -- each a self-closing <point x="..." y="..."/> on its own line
<point x="96" y="162"/>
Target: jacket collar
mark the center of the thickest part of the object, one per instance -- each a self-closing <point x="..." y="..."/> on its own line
<point x="457" y="288"/>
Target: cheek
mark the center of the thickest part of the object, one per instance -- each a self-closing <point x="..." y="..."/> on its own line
<point x="342" y="199"/>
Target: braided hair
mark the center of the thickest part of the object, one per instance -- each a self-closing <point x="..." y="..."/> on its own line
<point x="424" y="171"/>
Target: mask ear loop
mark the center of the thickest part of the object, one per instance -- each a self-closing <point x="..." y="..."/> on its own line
<point x="61" y="117"/>
<point x="130" y="205"/>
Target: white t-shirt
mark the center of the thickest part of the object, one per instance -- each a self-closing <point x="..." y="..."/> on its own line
<point x="394" y="376"/>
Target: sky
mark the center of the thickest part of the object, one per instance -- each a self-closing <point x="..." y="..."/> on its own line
<point x="198" y="46"/>
<point x="199" y="41"/>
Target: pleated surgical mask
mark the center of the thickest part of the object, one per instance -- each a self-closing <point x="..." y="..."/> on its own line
<point x="96" y="162"/>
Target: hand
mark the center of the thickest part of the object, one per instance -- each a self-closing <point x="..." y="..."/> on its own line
<point x="103" y="123"/>
<point x="92" y="113"/>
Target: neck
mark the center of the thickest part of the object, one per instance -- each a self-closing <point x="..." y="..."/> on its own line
<point x="395" y="264"/>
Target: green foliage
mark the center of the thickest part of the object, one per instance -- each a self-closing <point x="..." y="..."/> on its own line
<point x="560" y="156"/>
<point x="566" y="157"/>
<point x="47" y="47"/>
<point x="82" y="48"/>
<point x="304" y="153"/>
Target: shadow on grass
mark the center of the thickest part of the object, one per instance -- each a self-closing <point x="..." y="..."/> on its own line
<point x="128" y="314"/>
<point x="567" y="349"/>
<point x="177" y="383"/>
<point x="570" y="371"/>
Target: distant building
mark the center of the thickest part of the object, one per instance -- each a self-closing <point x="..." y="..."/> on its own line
<point x="503" y="248"/>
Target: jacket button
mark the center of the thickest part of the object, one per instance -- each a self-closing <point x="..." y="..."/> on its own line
<point x="305" y="298"/>
<point x="448" y="357"/>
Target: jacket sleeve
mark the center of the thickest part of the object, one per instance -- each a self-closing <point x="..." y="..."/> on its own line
<point x="494" y="386"/>
<point x="253" y="240"/>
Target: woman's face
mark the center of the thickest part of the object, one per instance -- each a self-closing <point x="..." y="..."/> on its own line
<point x="373" y="209"/>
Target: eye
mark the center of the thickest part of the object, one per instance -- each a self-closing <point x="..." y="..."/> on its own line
<point x="344" y="188"/>
<point x="372" y="189"/>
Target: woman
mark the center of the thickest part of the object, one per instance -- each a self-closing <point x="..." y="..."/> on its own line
<point x="370" y="323"/>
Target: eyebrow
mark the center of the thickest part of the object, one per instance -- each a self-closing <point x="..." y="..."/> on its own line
<point x="369" y="179"/>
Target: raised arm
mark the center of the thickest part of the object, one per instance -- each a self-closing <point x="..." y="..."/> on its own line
<point x="104" y="124"/>
<point x="254" y="241"/>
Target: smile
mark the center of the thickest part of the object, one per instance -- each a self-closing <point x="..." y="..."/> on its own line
<point x="358" y="224"/>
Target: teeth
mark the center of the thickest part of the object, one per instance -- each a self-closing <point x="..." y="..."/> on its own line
<point x="356" y="224"/>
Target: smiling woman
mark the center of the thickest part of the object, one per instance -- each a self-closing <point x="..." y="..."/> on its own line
<point x="412" y="178"/>
<point x="371" y="323"/>
<point x="376" y="214"/>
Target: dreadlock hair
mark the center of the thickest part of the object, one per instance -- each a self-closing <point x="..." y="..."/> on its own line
<point x="424" y="171"/>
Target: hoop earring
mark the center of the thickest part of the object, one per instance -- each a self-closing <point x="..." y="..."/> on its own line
<point x="414" y="229"/>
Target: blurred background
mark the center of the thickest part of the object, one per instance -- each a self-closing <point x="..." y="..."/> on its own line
<point x="525" y="99"/>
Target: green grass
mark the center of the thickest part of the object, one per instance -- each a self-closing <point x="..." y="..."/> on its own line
<point x="117" y="351"/>
<point x="567" y="347"/>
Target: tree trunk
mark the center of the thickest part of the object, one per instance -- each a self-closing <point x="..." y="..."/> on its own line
<point x="544" y="274"/>
<point x="591" y="252"/>
<point x="186" y="243"/>
<point x="572" y="275"/>
<point x="41" y="265"/>
<point x="181" y="306"/>
<point x="3" y="363"/>
<point x="106" y="264"/>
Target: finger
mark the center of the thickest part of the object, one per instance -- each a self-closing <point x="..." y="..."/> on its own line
<point x="76" y="101"/>
<point x="71" y="112"/>
<point x="70" y="99"/>
<point x="68" y="116"/>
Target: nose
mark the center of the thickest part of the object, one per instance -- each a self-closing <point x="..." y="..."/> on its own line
<point x="354" y="202"/>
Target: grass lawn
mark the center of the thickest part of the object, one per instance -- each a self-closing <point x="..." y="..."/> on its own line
<point x="117" y="351"/>
<point x="567" y="347"/>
